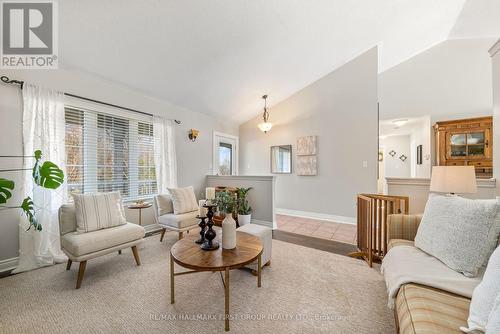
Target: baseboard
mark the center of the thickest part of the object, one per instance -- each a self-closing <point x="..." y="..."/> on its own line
<point x="262" y="222"/>
<point x="8" y="264"/>
<point x="316" y="215"/>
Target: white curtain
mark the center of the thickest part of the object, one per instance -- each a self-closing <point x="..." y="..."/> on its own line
<point x="165" y="157"/>
<point x="43" y="129"/>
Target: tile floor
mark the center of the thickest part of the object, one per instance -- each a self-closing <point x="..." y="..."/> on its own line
<point x="317" y="228"/>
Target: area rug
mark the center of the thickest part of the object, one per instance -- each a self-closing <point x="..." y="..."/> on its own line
<point x="303" y="291"/>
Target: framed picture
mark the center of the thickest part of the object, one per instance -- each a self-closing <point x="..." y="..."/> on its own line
<point x="307" y="165"/>
<point x="306" y="145"/>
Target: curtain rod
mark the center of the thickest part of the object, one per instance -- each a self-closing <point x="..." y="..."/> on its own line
<point x="6" y="80"/>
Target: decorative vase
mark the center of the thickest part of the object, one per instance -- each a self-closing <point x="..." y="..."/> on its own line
<point x="228" y="232"/>
<point x="244" y="219"/>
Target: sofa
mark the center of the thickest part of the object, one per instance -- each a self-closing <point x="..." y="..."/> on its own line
<point x="419" y="308"/>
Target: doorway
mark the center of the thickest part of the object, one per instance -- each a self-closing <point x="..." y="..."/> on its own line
<point x="225" y="154"/>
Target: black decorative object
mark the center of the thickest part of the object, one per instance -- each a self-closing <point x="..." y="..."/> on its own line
<point x="419" y="154"/>
<point x="210" y="234"/>
<point x="202" y="224"/>
<point x="403" y="157"/>
<point x="392" y="153"/>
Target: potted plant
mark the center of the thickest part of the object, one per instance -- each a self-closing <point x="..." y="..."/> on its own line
<point x="244" y="209"/>
<point x="46" y="175"/>
<point x="226" y="204"/>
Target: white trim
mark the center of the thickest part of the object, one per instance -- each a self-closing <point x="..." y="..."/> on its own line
<point x="215" y="152"/>
<point x="263" y="223"/>
<point x="494" y="49"/>
<point x="317" y="215"/>
<point x="8" y="264"/>
<point x="481" y="183"/>
<point x="243" y="177"/>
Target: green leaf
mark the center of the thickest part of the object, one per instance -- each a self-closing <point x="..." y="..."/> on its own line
<point x="5" y="190"/>
<point x="38" y="154"/>
<point x="49" y="175"/>
<point x="29" y="211"/>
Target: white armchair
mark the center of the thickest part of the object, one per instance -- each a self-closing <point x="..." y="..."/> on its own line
<point x="164" y="211"/>
<point x="80" y="247"/>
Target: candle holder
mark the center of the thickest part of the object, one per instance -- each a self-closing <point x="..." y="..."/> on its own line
<point x="210" y="234"/>
<point x="202" y="224"/>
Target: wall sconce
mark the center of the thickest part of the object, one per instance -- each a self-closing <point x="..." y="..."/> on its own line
<point x="193" y="134"/>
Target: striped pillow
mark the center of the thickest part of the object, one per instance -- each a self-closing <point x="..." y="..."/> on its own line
<point x="183" y="199"/>
<point x="98" y="211"/>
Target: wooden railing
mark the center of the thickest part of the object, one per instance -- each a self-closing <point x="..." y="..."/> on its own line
<point x="372" y="224"/>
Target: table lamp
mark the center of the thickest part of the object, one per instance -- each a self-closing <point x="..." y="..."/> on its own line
<point x="453" y="179"/>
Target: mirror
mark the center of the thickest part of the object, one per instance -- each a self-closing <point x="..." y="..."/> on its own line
<point x="281" y="159"/>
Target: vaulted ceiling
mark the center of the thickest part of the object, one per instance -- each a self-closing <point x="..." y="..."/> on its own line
<point x="219" y="56"/>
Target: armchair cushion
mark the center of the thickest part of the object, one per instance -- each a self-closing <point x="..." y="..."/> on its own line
<point x="79" y="244"/>
<point x="183" y="199"/>
<point x="401" y="226"/>
<point x="164" y="204"/>
<point x="98" y="211"/>
<point x="67" y="218"/>
<point x="180" y="221"/>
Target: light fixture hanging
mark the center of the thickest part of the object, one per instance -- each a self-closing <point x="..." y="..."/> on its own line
<point x="265" y="126"/>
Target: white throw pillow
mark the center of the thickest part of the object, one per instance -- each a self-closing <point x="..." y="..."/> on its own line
<point x="164" y="204"/>
<point x="98" y="211"/>
<point x="493" y="325"/>
<point x="483" y="297"/>
<point x="458" y="231"/>
<point x="183" y="199"/>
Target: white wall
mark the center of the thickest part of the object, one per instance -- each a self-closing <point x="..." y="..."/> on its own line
<point x="451" y="80"/>
<point x="421" y="135"/>
<point x="194" y="159"/>
<point x="394" y="166"/>
<point x="341" y="109"/>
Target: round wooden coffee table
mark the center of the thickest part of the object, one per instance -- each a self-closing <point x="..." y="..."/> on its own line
<point x="188" y="254"/>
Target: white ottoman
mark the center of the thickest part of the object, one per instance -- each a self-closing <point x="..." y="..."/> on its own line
<point x="265" y="234"/>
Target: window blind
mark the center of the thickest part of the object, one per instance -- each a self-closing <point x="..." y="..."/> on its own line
<point x="107" y="152"/>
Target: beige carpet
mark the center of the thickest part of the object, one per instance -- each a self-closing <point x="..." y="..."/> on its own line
<point x="304" y="291"/>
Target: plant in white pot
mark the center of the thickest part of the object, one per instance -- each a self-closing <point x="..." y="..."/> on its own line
<point x="244" y="209"/>
<point x="226" y="203"/>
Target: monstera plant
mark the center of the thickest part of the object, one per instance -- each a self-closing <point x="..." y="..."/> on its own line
<point x="45" y="174"/>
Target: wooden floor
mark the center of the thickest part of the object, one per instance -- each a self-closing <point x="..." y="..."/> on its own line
<point x="331" y="246"/>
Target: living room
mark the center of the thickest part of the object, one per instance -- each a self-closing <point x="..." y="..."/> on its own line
<point x="333" y="161"/>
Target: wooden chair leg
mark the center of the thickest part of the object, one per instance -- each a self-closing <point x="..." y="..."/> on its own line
<point x="180" y="235"/>
<point x="81" y="272"/>
<point x="68" y="266"/>
<point x="136" y="255"/>
<point x="162" y="234"/>
<point x="268" y="264"/>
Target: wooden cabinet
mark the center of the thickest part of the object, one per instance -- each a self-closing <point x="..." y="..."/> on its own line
<point x="466" y="142"/>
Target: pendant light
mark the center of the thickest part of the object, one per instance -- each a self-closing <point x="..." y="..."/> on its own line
<point x="265" y="126"/>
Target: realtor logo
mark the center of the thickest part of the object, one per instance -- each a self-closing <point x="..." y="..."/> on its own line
<point x="29" y="35"/>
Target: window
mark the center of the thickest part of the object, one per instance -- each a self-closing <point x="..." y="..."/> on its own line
<point x="225" y="154"/>
<point x="109" y="153"/>
<point x="225" y="159"/>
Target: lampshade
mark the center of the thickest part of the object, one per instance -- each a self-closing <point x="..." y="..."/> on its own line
<point x="453" y="179"/>
<point x="266" y="126"/>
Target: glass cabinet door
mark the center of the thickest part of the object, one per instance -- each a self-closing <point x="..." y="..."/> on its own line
<point x="475" y="143"/>
<point x="458" y="145"/>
